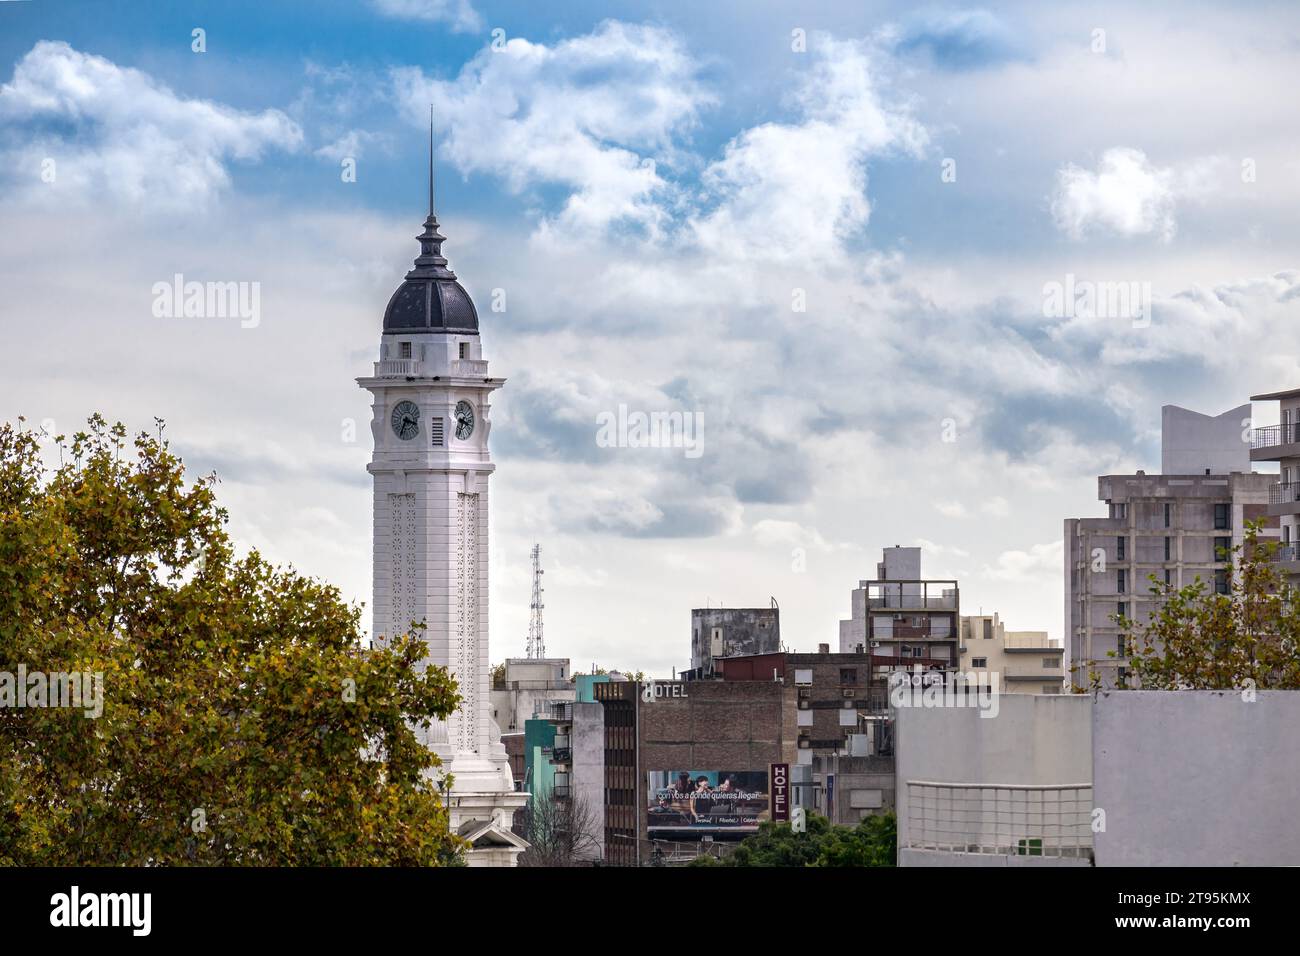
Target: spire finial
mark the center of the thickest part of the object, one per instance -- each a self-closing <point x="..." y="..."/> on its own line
<point x="430" y="159"/>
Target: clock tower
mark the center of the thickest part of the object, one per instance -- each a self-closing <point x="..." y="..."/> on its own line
<point x="431" y="466"/>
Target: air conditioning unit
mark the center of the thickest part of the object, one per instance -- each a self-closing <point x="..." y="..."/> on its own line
<point x="849" y="704"/>
<point x="804" y="703"/>
<point x="875" y="643"/>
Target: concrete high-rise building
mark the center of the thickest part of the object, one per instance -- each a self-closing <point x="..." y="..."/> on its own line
<point x="1281" y="443"/>
<point x="1174" y="526"/>
<point x="902" y="620"/>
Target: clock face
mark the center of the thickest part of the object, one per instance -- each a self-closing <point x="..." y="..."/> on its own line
<point x="406" y="420"/>
<point x="464" y="420"/>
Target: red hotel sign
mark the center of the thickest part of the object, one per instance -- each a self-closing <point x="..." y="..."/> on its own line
<point x="779" y="787"/>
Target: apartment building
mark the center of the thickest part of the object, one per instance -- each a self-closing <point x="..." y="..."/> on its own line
<point x="902" y="620"/>
<point x="1281" y="443"/>
<point x="1026" y="662"/>
<point x="530" y="685"/>
<point x="1174" y="527"/>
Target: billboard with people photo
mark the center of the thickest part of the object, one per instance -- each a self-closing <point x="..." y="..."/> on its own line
<point x="688" y="803"/>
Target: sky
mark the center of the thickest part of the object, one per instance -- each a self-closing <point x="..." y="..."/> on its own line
<point x="826" y="232"/>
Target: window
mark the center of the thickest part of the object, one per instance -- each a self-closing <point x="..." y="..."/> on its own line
<point x="1221" y="581"/>
<point x="1121" y="609"/>
<point x="979" y="662"/>
<point x="988" y="629"/>
<point x="1049" y="661"/>
<point x="1222" y="517"/>
<point x="1168" y="547"/>
<point x="1120" y="547"/>
<point x="464" y="350"/>
<point x="406" y="350"/>
<point x="803" y="675"/>
<point x="1121" y="581"/>
<point x="1169" y="514"/>
<point x="848" y="675"/>
<point x="1169" y="577"/>
<point x="1222" y="548"/>
<point x="1119" y="510"/>
<point x="1050" y="689"/>
<point x="1121" y="646"/>
<point x="918" y="652"/>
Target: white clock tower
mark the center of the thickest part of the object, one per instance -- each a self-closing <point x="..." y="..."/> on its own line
<point x="431" y="466"/>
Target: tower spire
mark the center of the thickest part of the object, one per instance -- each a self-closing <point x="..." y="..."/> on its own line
<point x="430" y="160"/>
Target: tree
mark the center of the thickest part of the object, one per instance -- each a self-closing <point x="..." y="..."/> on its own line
<point x="560" y="832"/>
<point x="241" y="721"/>
<point x="873" y="842"/>
<point x="1201" y="640"/>
<point x="499" y="676"/>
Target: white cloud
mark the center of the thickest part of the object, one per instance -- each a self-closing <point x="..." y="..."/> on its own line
<point x="116" y="132"/>
<point x="350" y="145"/>
<point x="1041" y="563"/>
<point x="996" y="506"/>
<point x="588" y="114"/>
<point x="1127" y="195"/>
<point x="459" y="14"/>
<point x="803" y="185"/>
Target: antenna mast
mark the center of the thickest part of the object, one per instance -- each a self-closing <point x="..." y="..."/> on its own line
<point x="536" y="645"/>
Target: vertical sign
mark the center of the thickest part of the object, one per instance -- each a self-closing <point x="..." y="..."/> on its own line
<point x="780" y="789"/>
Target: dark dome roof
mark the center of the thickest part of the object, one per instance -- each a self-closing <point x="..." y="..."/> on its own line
<point x="431" y="300"/>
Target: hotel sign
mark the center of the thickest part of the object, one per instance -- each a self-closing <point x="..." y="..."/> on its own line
<point x="664" y="690"/>
<point x="779" y="775"/>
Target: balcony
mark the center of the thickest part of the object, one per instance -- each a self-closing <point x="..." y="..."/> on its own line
<point x="414" y="368"/>
<point x="1274" y="442"/>
<point x="912" y="595"/>
<point x="1284" y="498"/>
<point x="1000" y="819"/>
<point x="397" y="368"/>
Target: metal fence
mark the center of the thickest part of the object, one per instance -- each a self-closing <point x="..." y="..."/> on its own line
<point x="1008" y="819"/>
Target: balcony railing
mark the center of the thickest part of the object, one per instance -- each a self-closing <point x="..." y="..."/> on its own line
<point x="1005" y="819"/>
<point x="1287" y="553"/>
<point x="1269" y="436"/>
<point x="400" y="368"/>
<point x="1283" y="492"/>
<point x="912" y="595"/>
<point x="469" y="367"/>
<point x="396" y="368"/>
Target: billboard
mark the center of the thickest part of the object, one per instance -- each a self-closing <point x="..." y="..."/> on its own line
<point x="684" y="804"/>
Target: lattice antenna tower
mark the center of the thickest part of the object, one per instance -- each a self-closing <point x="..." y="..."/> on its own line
<point x="536" y="644"/>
